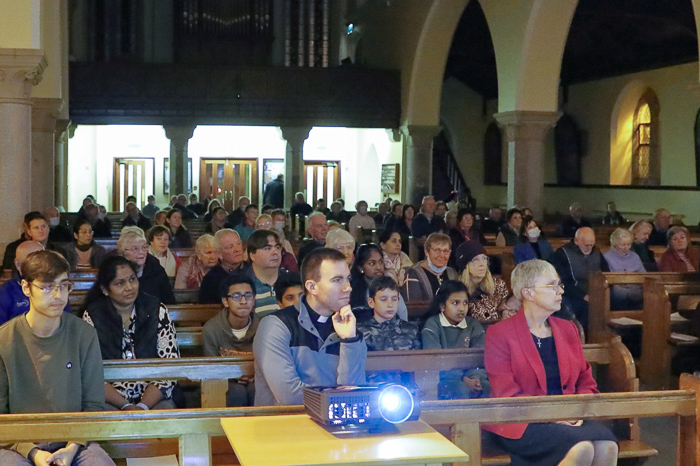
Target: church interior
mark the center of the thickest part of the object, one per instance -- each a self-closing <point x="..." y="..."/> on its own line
<point x="537" y="104"/>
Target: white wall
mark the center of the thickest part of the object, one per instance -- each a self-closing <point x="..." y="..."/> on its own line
<point x="92" y="152"/>
<point x="93" y="149"/>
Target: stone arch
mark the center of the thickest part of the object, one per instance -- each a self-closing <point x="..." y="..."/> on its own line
<point x="529" y="39"/>
<point x="428" y="69"/>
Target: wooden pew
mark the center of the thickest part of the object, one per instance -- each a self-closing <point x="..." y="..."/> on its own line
<point x="78" y="295"/>
<point x="192" y="315"/>
<point x="599" y="311"/>
<point x="660" y="301"/>
<point x="194" y="428"/>
<point x="614" y="367"/>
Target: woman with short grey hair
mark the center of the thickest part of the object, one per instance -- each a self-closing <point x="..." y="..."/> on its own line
<point x="621" y="258"/>
<point x="532" y="347"/>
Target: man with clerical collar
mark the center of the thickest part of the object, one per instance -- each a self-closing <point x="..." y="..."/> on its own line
<point x="229" y="248"/>
<point x="313" y="343"/>
<point x="50" y="362"/>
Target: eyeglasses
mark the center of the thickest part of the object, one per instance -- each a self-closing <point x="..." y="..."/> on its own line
<point x="554" y="286"/>
<point x="122" y="283"/>
<point x="63" y="287"/>
<point x="480" y="259"/>
<point x="248" y="295"/>
<point x="444" y="252"/>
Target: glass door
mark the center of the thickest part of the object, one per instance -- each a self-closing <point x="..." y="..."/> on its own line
<point x="228" y="179"/>
<point x="132" y="177"/>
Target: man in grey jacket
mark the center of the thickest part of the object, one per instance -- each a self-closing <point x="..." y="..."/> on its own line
<point x="313" y="343"/>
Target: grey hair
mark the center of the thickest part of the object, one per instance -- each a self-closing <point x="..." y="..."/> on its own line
<point x="205" y="241"/>
<point x="315" y="214"/>
<point x="128" y="236"/>
<point x="220" y="234"/>
<point x="618" y="234"/>
<point x="526" y="274"/>
<point x="338" y="237"/>
<point x="638" y="224"/>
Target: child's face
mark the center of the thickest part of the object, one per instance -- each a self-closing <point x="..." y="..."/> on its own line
<point x="455" y="309"/>
<point x="238" y="304"/>
<point x="385" y="304"/>
<point x="291" y="296"/>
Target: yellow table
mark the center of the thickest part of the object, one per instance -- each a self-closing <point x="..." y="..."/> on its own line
<point x="297" y="440"/>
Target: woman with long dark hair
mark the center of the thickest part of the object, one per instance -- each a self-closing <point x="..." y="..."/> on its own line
<point x="130" y="325"/>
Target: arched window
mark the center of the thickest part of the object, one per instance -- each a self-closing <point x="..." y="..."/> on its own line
<point x="645" y="141"/>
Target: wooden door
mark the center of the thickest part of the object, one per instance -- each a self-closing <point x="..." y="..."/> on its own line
<point x="132" y="177"/>
<point x="322" y="180"/>
<point x="228" y="179"/>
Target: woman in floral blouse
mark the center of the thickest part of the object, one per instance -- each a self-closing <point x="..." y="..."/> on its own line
<point x="131" y="325"/>
<point x="488" y="295"/>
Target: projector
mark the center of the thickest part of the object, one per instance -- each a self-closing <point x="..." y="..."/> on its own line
<point x="345" y="408"/>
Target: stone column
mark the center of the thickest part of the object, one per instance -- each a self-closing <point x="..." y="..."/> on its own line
<point x="179" y="137"/>
<point x="45" y="112"/>
<point x="20" y="71"/>
<point x="63" y="132"/>
<point x="294" y="162"/>
<point x="418" y="165"/>
<point x="525" y="133"/>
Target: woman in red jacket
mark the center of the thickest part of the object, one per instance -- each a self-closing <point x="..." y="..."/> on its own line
<point x="533" y="353"/>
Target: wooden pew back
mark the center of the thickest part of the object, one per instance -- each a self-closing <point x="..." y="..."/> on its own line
<point x="194" y="428"/>
<point x="657" y="344"/>
<point x="599" y="311"/>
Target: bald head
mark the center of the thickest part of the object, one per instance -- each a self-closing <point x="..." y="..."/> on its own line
<point x="585" y="240"/>
<point x="23" y="250"/>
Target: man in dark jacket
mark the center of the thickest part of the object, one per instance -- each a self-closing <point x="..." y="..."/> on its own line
<point x="575" y="262"/>
<point x="274" y="192"/>
<point x="229" y="248"/>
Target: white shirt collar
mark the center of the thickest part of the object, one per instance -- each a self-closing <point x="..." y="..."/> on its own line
<point x="446" y="323"/>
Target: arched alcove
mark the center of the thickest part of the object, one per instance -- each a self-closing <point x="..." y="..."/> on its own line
<point x="493" y="154"/>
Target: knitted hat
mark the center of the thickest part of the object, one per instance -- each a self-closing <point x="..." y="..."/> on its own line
<point x="468" y="251"/>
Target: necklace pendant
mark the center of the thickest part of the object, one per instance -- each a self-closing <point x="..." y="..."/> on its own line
<point x="539" y="342"/>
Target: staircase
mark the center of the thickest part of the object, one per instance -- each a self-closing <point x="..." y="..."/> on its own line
<point x="447" y="178"/>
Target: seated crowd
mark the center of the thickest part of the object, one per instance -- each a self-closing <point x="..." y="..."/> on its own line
<point x="310" y="318"/>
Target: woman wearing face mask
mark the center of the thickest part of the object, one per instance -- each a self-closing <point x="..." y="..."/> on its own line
<point x="361" y="220"/>
<point x="368" y="265"/>
<point x="488" y="295"/>
<point x="532" y="245"/>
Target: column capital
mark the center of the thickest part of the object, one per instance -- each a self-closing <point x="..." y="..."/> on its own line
<point x="179" y="135"/>
<point x="63" y="130"/>
<point x="294" y="135"/>
<point x="420" y="135"/>
<point x="45" y="113"/>
<point x="20" y="71"/>
<point x="525" y="124"/>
